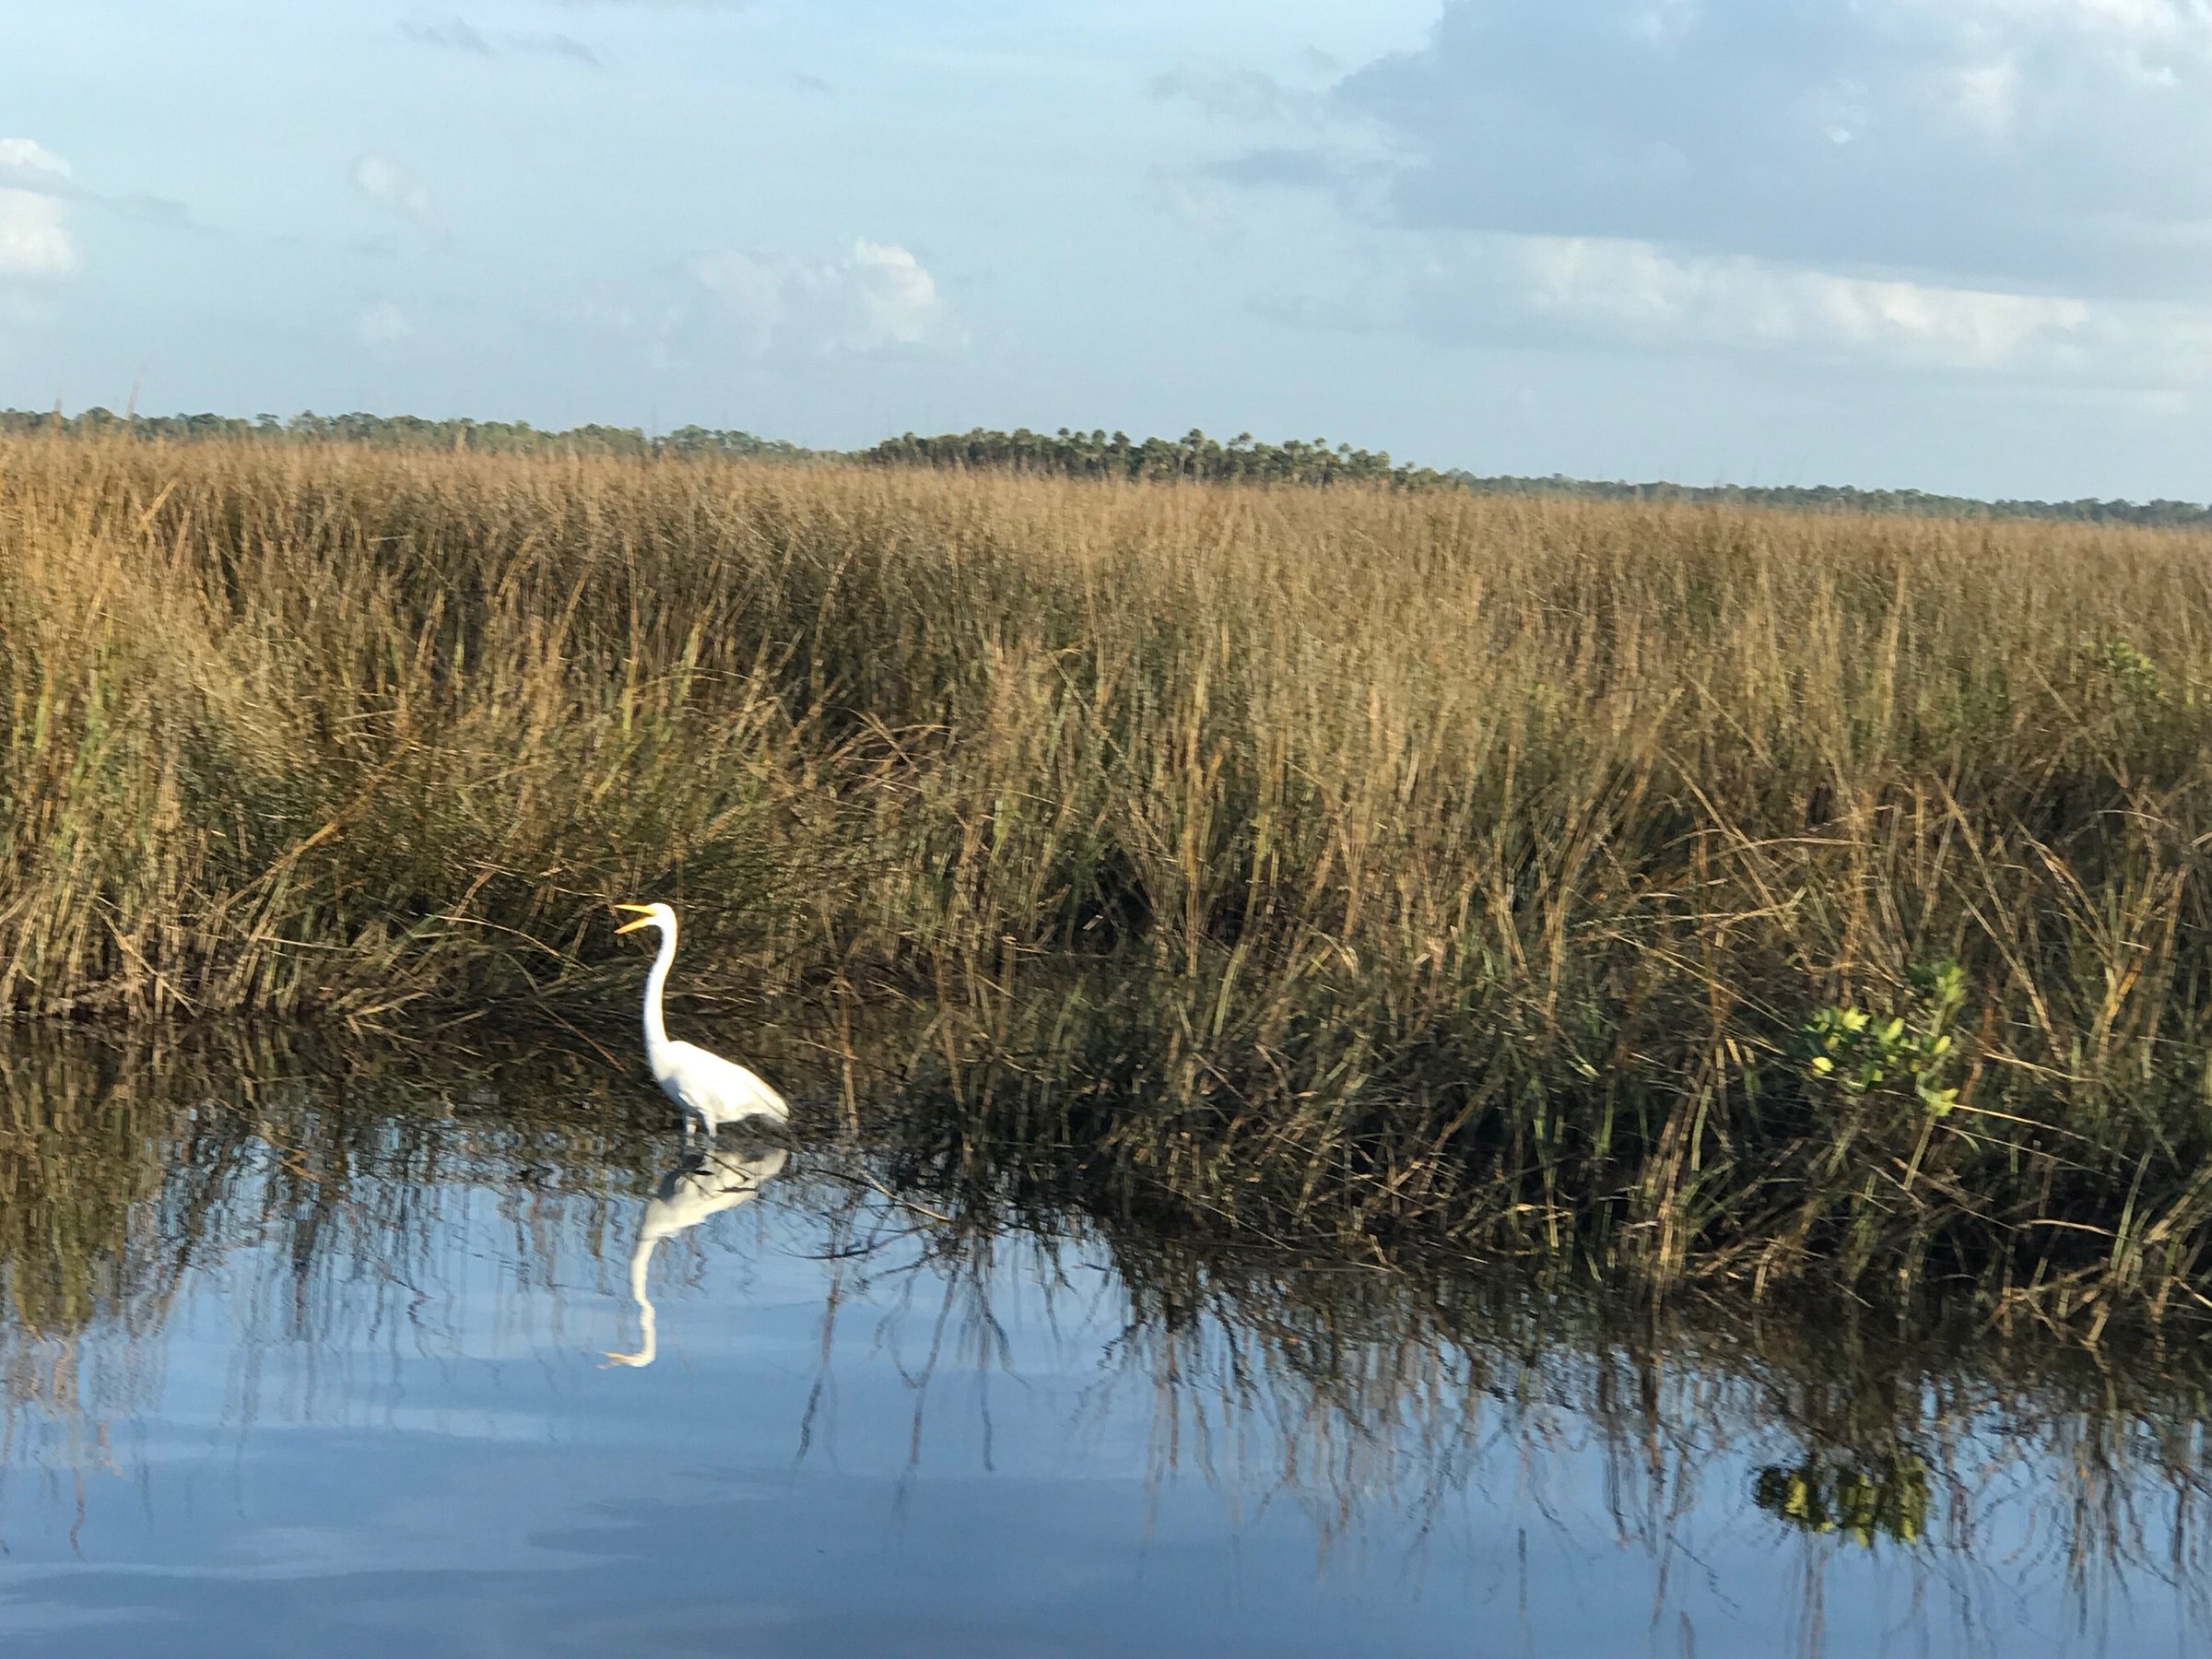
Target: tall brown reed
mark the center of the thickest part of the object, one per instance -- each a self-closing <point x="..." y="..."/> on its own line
<point x="1424" y="865"/>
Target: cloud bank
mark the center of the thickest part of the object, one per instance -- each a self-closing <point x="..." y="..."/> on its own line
<point x="2062" y="144"/>
<point x="35" y="240"/>
<point x="867" y="297"/>
<point x="1979" y="183"/>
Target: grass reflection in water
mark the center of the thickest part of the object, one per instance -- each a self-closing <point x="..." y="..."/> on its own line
<point x="341" y="1195"/>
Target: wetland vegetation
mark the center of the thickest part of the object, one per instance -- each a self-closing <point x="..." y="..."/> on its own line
<point x="1725" y="899"/>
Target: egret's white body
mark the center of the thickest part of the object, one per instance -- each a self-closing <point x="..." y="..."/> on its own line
<point x="711" y="1092"/>
<point x="703" y="1184"/>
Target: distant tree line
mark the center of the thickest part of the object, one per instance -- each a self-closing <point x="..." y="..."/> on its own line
<point x="406" y="432"/>
<point x="1844" y="498"/>
<point x="1097" y="454"/>
<point x="705" y="444"/>
<point x="1094" y="455"/>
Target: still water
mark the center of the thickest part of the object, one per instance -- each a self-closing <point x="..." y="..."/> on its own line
<point x="332" y="1352"/>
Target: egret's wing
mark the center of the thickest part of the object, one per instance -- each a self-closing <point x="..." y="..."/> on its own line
<point x="721" y="1089"/>
<point x="720" y="1182"/>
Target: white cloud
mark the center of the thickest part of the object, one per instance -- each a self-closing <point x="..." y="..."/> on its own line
<point x="870" y="297"/>
<point x="26" y="162"/>
<point x="1645" y="292"/>
<point x="1625" y="293"/>
<point x="391" y="187"/>
<point x="2183" y="25"/>
<point x="1987" y="95"/>
<point x="35" y="240"/>
<point x="383" y="326"/>
<point x="1662" y="20"/>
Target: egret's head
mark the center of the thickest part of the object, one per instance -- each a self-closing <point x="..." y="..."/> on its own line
<point x="649" y="915"/>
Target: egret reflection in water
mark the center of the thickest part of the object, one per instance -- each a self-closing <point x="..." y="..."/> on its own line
<point x="705" y="1184"/>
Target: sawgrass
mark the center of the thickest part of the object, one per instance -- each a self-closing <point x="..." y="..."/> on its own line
<point x="1409" y="869"/>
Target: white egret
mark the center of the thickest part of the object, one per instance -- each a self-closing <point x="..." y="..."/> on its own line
<point x="702" y="1185"/>
<point x="710" y="1090"/>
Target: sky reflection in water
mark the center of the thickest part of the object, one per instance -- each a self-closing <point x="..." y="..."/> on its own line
<point x="309" y="1354"/>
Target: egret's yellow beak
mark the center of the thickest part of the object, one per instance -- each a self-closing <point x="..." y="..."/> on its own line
<point x="644" y="917"/>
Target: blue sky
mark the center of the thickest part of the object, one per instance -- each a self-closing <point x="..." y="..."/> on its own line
<point x="1956" y="244"/>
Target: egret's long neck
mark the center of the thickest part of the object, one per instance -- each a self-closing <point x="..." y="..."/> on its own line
<point x="640" y="1261"/>
<point x="640" y="1265"/>
<point x="656" y="1032"/>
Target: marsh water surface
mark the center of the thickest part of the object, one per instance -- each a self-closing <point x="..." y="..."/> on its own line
<point x="314" y="1350"/>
